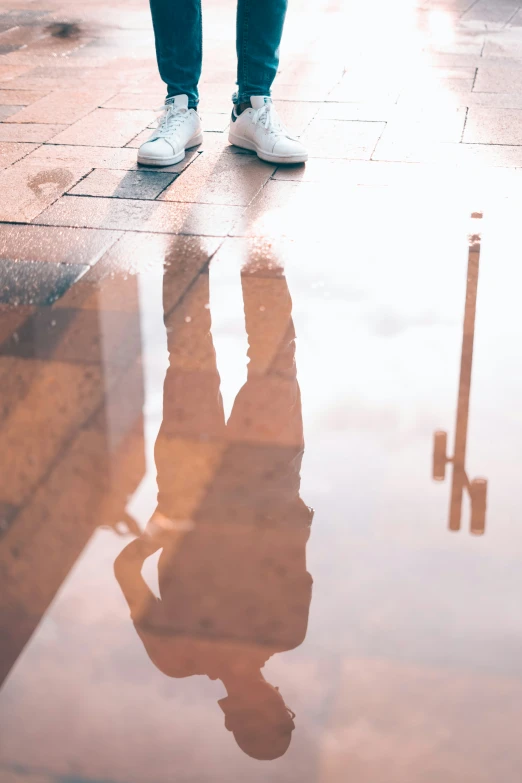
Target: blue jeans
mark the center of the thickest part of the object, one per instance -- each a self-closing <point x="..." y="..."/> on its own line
<point x="178" y="33"/>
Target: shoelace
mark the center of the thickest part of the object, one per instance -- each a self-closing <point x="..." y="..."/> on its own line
<point x="173" y="116"/>
<point x="269" y="119"/>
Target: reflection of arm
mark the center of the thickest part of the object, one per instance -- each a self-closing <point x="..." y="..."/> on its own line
<point x="127" y="569"/>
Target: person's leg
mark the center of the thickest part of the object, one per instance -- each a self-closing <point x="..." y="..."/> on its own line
<point x="255" y="124"/>
<point x="259" y="31"/>
<point x="178" y="34"/>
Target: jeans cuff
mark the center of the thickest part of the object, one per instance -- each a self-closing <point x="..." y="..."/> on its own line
<point x="245" y="95"/>
<point x="191" y="104"/>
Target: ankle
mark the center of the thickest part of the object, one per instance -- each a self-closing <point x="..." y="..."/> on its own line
<point x="240" y="107"/>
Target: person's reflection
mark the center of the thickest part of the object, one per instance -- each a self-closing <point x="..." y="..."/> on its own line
<point x="233" y="529"/>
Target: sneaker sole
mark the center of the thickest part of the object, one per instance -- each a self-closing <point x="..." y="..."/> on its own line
<point x="146" y="161"/>
<point x="245" y="144"/>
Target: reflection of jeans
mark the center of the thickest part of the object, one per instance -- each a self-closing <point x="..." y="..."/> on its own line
<point x="178" y="32"/>
<point x="256" y="476"/>
<point x="240" y="573"/>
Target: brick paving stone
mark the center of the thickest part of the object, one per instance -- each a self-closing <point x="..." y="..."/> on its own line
<point x="132" y="215"/>
<point x="286" y="209"/>
<point x="180" y="257"/>
<point x="215" y="122"/>
<point x="105" y="128"/>
<point x="342" y="139"/>
<point x="10" y="152"/>
<point x="220" y="179"/>
<point x="58" y="392"/>
<point x="467" y="154"/>
<point x="491" y="13"/>
<point x="493" y="126"/>
<point x="88" y="157"/>
<point x="33" y="187"/>
<point x="316" y="170"/>
<point x="34" y="283"/>
<point x="29" y="133"/>
<point x="118" y="184"/>
<point x="498" y="78"/>
<point x="54" y="245"/>
<point x="9" y="72"/>
<point x="134" y="100"/>
<point x="138" y="140"/>
<point x="7" y="111"/>
<point x="63" y="107"/>
<point x="74" y="336"/>
<point x="19" y="97"/>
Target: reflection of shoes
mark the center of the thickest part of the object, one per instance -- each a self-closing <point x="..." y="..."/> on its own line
<point x="179" y="129"/>
<point x="260" y="129"/>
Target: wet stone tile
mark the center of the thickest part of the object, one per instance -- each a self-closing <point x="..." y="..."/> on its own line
<point x="138" y="140"/>
<point x="76" y="336"/>
<point x="11" y="152"/>
<point x="20" y="37"/>
<point x="339" y="139"/>
<point x="286" y="209"/>
<point x="105" y="285"/>
<point x="105" y="128"/>
<point x="7" y="111"/>
<point x="493" y="126"/>
<point x="300" y="92"/>
<point x="133" y="215"/>
<point x="63" y="107"/>
<point x="129" y="100"/>
<point x="461" y="154"/>
<point x="8" y="48"/>
<point x="316" y="170"/>
<point x="368" y="112"/>
<point x="41" y="78"/>
<point x="426" y="125"/>
<point x="59" y="394"/>
<point x="10" y="72"/>
<point x="28" y="188"/>
<point x="219" y="178"/>
<point x="350" y="90"/>
<point x="297" y="115"/>
<point x="54" y="245"/>
<point x="35" y="283"/>
<point x="118" y="184"/>
<point x="215" y="122"/>
<point x="11" y="318"/>
<point x="190" y="157"/>
<point x="498" y="78"/>
<point x="29" y="133"/>
<point x="19" y="97"/>
<point x="487" y="13"/>
<point x="88" y="156"/>
<point x="21" y="17"/>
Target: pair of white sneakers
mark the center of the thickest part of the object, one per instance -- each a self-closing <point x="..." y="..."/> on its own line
<point x="258" y="129"/>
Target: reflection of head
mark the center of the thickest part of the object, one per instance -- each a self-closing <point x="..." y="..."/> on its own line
<point x="260" y="721"/>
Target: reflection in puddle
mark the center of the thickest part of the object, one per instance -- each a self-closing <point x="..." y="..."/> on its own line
<point x="476" y="488"/>
<point x="230" y="522"/>
<point x="73" y="449"/>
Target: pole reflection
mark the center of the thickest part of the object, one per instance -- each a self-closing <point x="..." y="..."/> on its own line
<point x="476" y="488"/>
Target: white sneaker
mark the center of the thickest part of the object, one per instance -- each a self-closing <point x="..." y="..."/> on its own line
<point x="179" y="129"/>
<point x="260" y="129"/>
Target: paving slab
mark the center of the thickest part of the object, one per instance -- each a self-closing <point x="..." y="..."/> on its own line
<point x="133" y="215"/>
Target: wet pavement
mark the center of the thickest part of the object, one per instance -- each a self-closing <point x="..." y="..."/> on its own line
<point x="260" y="427"/>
